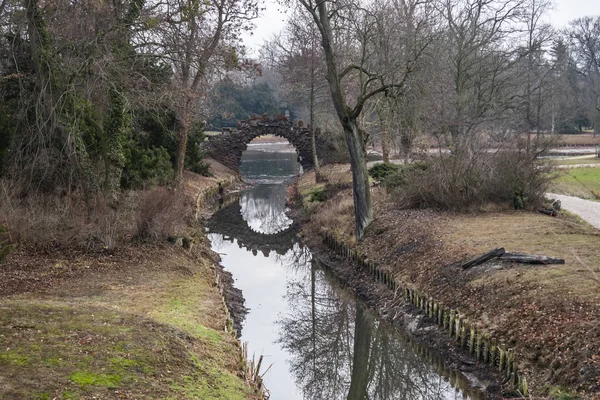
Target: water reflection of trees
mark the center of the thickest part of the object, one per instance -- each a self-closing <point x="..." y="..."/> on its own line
<point x="340" y="351"/>
<point x="274" y="166"/>
<point x="263" y="208"/>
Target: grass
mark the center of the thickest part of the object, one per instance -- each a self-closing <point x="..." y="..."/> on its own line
<point x="87" y="350"/>
<point x="579" y="182"/>
<point x="578" y="139"/>
<point x="74" y="350"/>
<point x="562" y="237"/>
<point x="89" y="338"/>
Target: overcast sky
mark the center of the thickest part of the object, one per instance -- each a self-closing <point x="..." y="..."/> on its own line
<point x="272" y="19"/>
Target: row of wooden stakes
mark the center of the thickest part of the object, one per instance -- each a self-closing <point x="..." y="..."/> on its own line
<point x="481" y="345"/>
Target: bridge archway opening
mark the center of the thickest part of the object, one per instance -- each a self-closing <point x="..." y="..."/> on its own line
<point x="269" y="159"/>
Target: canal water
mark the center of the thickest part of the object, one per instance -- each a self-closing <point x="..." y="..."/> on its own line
<point x="317" y="339"/>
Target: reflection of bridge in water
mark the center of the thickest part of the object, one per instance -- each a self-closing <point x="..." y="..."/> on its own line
<point x="229" y="221"/>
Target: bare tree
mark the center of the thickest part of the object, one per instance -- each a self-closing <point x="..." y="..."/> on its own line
<point x="539" y="34"/>
<point x="478" y="57"/>
<point x="195" y="36"/>
<point x="296" y="56"/>
<point x="360" y="78"/>
<point x="585" y="36"/>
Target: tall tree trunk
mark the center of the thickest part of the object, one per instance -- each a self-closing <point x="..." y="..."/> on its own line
<point x="385" y="137"/>
<point x="115" y="130"/>
<point x="385" y="146"/>
<point x="363" y="210"/>
<point x="312" y="124"/>
<point x="313" y="289"/>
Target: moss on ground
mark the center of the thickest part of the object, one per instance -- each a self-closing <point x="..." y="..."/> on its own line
<point x="83" y="352"/>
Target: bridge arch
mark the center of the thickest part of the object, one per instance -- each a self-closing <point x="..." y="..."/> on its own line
<point x="228" y="147"/>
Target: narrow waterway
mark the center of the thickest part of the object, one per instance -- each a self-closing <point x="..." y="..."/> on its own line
<point x="317" y="339"/>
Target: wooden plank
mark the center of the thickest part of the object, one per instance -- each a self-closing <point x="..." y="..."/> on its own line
<point x="530" y="259"/>
<point x="483" y="258"/>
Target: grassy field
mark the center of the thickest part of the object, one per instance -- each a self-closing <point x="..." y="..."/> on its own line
<point x="579" y="182"/>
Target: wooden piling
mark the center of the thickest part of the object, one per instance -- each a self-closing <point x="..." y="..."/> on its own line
<point x="472" y="340"/>
<point x="486" y="348"/>
<point x="478" y="342"/>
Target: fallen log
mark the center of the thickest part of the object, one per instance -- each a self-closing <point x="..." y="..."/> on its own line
<point x="530" y="259"/>
<point x="483" y="258"/>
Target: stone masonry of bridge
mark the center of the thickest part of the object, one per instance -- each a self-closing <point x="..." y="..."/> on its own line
<point x="228" y="147"/>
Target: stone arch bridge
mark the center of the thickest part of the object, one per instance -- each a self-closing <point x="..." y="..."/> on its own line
<point x="228" y="147"/>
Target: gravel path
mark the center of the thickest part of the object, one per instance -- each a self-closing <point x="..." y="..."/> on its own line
<point x="588" y="210"/>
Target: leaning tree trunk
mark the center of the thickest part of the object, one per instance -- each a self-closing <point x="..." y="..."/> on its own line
<point x="363" y="210"/>
<point x="360" y="179"/>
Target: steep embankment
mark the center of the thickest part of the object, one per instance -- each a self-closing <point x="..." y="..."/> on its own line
<point x="144" y="321"/>
<point x="549" y="313"/>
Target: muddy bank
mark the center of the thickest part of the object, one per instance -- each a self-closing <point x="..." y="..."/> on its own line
<point x="234" y="299"/>
<point x="391" y="307"/>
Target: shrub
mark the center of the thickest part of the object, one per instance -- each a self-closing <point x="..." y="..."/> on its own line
<point x="470" y="181"/>
<point x="400" y="176"/>
<point x="41" y="221"/>
<point x="147" y="167"/>
<point x="4" y="242"/>
<point x="318" y="195"/>
<point x="381" y="171"/>
<point x="161" y="214"/>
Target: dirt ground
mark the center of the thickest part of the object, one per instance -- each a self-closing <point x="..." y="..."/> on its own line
<point x="144" y="321"/>
<point x="549" y="312"/>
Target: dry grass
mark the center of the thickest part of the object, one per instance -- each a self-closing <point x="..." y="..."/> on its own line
<point x="337" y="214"/>
<point x="162" y="212"/>
<point x="583" y="139"/>
<point x="586" y="139"/>
<point x="533" y="234"/>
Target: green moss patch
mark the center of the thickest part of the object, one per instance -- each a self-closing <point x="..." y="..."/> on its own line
<point x="86" y="352"/>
